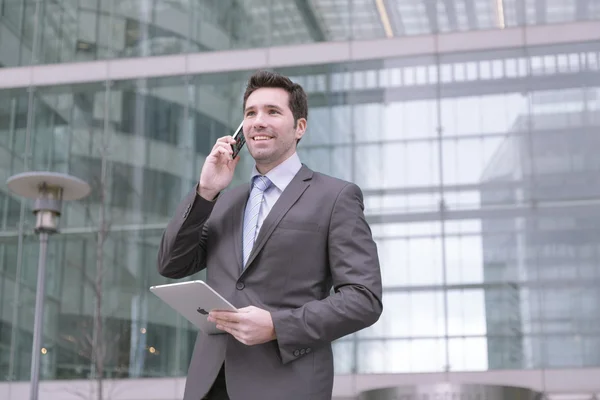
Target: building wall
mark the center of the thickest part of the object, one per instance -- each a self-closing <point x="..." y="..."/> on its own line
<point x="439" y="130"/>
<point x="550" y="260"/>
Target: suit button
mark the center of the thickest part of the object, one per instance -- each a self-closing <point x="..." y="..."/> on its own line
<point x="240" y="285"/>
<point x="296" y="353"/>
<point x="308" y="350"/>
<point x="303" y="351"/>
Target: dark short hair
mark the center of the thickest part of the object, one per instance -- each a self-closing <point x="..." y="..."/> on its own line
<point x="266" y="79"/>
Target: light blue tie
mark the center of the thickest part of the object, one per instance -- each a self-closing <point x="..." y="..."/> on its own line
<point x="259" y="185"/>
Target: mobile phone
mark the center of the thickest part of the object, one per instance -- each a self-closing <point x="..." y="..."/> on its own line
<point x="240" y="140"/>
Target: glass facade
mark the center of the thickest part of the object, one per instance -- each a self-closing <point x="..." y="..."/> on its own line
<point x="479" y="171"/>
<point x="45" y="32"/>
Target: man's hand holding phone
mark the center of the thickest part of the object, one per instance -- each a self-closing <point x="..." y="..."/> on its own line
<point x="217" y="171"/>
<point x="240" y="140"/>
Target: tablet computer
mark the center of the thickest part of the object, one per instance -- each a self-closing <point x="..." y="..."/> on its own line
<point x="194" y="300"/>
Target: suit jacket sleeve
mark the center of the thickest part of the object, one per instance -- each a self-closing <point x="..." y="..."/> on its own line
<point x="356" y="303"/>
<point x="182" y="250"/>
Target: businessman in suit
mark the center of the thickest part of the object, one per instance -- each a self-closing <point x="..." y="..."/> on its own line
<point x="274" y="248"/>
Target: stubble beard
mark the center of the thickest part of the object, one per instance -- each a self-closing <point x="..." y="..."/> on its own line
<point x="274" y="156"/>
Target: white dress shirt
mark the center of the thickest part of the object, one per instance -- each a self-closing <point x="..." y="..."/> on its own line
<point x="281" y="176"/>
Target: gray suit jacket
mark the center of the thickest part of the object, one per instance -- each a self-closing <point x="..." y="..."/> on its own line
<point x="314" y="238"/>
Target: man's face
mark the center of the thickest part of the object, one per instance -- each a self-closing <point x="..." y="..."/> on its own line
<point x="269" y="127"/>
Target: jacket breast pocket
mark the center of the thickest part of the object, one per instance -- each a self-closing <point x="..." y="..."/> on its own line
<point x="287" y="224"/>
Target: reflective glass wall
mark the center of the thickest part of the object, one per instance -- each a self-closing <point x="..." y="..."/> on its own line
<point x="58" y="31"/>
<point x="481" y="184"/>
<point x="140" y="144"/>
<point x="479" y="172"/>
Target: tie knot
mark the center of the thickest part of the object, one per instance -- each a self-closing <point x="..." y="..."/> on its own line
<point x="261" y="183"/>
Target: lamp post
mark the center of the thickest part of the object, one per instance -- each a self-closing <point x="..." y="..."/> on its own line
<point x="48" y="189"/>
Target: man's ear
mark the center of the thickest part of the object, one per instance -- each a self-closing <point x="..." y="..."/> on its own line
<point x="300" y="128"/>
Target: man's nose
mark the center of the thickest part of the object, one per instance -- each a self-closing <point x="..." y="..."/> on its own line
<point x="259" y="121"/>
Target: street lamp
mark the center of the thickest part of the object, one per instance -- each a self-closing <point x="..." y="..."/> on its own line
<point x="48" y="189"/>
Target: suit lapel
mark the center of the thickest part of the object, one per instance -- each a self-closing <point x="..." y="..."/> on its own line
<point x="288" y="198"/>
<point x="237" y="219"/>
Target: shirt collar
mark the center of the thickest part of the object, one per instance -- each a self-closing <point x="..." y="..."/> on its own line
<point x="282" y="175"/>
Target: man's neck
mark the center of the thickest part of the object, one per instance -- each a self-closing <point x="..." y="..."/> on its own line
<point x="265" y="168"/>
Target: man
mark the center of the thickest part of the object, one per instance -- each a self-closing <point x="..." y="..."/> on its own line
<point x="274" y="249"/>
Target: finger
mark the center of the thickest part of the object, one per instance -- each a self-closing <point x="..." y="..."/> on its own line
<point x="226" y="140"/>
<point x="222" y="154"/>
<point x="221" y="311"/>
<point x="237" y="335"/>
<point x="218" y="314"/>
<point x="225" y="316"/>
<point x="246" y="309"/>
<point x="227" y="329"/>
<point x="223" y="146"/>
<point x="229" y="154"/>
<point x="228" y="325"/>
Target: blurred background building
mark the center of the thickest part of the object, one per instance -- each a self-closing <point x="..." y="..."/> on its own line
<point x="472" y="126"/>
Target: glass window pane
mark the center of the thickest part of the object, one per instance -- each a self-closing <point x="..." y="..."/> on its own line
<point x="397" y="165"/>
<point x="343" y="356"/>
<point x="466" y="312"/>
<point x="422" y="316"/>
<point x="464" y="259"/>
<point x="411" y="262"/>
<point x="398" y="356"/>
<point x="468" y="354"/>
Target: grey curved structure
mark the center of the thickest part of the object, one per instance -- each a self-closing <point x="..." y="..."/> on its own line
<point x="451" y="391"/>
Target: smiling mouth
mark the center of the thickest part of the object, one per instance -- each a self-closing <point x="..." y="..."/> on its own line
<point x="261" y="138"/>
